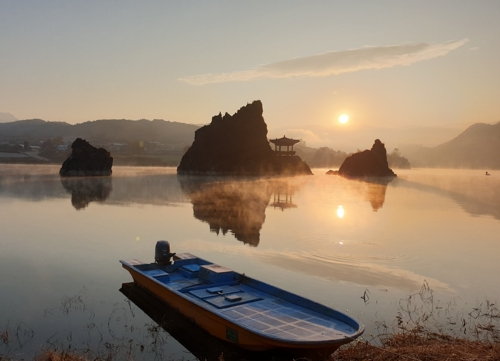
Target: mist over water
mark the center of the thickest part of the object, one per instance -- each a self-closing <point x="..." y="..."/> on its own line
<point x="325" y="237"/>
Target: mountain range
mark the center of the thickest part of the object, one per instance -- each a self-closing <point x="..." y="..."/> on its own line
<point x="101" y="131"/>
<point x="476" y="147"/>
<point x="7" y="117"/>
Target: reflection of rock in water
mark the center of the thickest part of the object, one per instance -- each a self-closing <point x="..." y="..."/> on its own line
<point x="372" y="189"/>
<point x="376" y="195"/>
<point x="236" y="206"/>
<point x="86" y="190"/>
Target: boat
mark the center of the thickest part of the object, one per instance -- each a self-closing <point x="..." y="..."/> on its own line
<point x="241" y="310"/>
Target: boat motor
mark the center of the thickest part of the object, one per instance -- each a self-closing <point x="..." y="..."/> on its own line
<point x="162" y="253"/>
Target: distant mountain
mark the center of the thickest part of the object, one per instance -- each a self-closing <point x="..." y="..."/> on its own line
<point x="33" y="128"/>
<point x="7" y="117"/>
<point x="353" y="137"/>
<point x="101" y="131"/>
<point x="477" y="147"/>
<point x="133" y="130"/>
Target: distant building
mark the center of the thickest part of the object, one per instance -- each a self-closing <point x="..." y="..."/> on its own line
<point x="117" y="146"/>
<point x="284" y="142"/>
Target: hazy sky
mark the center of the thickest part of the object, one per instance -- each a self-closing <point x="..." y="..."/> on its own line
<point x="386" y="64"/>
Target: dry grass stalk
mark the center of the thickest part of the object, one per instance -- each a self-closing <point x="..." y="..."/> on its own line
<point x="420" y="347"/>
<point x="60" y="356"/>
<point x="4" y="336"/>
<point x="415" y="335"/>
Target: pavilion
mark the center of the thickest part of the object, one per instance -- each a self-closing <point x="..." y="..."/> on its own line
<point x="284" y="142"/>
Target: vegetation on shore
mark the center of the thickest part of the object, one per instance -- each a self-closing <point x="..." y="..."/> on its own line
<point x="149" y="154"/>
<point x="421" y="346"/>
<point x="414" y="345"/>
<point x="417" y="333"/>
<point x="325" y="157"/>
<point x="477" y="147"/>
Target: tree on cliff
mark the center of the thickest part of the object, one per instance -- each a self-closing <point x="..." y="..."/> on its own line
<point x="327" y="157"/>
<point x="395" y="160"/>
<point x="49" y="149"/>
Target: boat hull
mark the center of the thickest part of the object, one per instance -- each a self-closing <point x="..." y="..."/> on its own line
<point x="210" y="322"/>
<point x="224" y="328"/>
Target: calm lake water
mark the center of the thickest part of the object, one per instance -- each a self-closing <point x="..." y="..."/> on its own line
<point x="360" y="247"/>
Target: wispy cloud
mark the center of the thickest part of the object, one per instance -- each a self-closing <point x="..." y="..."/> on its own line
<point x="308" y="135"/>
<point x="335" y="62"/>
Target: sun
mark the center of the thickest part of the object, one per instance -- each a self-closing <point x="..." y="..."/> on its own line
<point x="344" y="118"/>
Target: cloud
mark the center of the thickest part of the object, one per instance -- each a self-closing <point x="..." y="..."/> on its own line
<point x="335" y="62"/>
<point x="304" y="134"/>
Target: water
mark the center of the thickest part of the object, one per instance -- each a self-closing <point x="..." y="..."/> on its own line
<point x="360" y="247"/>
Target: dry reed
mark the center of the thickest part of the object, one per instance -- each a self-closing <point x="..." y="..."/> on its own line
<point x="421" y="347"/>
<point x="417" y="334"/>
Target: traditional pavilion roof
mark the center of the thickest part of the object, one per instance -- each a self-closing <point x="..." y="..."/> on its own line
<point x="284" y="141"/>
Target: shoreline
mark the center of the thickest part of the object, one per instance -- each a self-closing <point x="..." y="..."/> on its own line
<point x="414" y="335"/>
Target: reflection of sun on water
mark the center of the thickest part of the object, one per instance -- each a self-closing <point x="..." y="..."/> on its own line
<point x="340" y="212"/>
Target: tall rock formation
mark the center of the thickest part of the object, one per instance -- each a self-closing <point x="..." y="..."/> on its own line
<point x="369" y="163"/>
<point x="86" y="160"/>
<point x="238" y="145"/>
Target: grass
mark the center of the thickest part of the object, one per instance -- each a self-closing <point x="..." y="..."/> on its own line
<point x="415" y="345"/>
<point x="417" y="333"/>
<point x="4" y="336"/>
<point x="60" y="356"/>
<point x="421" y="346"/>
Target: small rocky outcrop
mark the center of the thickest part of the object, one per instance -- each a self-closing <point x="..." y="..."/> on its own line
<point x="86" y="160"/>
<point x="369" y="163"/>
<point x="238" y="145"/>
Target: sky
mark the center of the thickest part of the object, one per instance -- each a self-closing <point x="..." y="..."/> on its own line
<point x="403" y="71"/>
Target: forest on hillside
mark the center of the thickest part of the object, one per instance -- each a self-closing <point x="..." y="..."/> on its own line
<point x="99" y="131"/>
<point x="325" y="157"/>
<point x="142" y="142"/>
<point x="160" y="142"/>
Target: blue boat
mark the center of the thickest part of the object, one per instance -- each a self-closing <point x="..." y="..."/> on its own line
<point x="238" y="309"/>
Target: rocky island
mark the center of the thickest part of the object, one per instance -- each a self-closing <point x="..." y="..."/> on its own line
<point x="369" y="163"/>
<point x="237" y="145"/>
<point x="86" y="160"/>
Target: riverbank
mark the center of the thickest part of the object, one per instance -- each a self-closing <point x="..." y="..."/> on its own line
<point x="413" y="336"/>
<point x="422" y="347"/>
<point x="399" y="347"/>
<point x="166" y="160"/>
